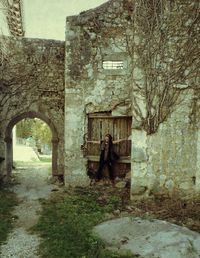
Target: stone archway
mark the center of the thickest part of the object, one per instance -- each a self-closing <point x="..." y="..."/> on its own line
<point x="9" y="142"/>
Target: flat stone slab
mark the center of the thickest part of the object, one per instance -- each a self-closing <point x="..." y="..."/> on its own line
<point x="150" y="238"/>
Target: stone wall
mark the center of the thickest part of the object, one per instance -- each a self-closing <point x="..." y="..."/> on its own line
<point x="91" y="38"/>
<point x="36" y="81"/>
<point x="198" y="161"/>
<point x="173" y="151"/>
<point x="32" y="84"/>
<point x="166" y="160"/>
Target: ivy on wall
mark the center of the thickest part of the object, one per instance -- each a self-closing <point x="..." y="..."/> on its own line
<point x="164" y="49"/>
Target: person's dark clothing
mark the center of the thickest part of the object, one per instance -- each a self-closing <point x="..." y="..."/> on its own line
<point x="107" y="158"/>
<point x="100" y="169"/>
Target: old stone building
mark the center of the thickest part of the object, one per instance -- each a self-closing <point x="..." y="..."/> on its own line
<point x="128" y="68"/>
<point x="32" y="86"/>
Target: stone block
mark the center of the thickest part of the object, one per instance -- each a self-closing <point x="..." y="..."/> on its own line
<point x="139" y="155"/>
<point x="138" y="189"/>
<point x="185" y="186"/>
<point x="170" y="184"/>
<point x="71" y="35"/>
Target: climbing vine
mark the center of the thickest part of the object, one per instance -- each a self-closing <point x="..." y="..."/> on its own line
<point x="164" y="51"/>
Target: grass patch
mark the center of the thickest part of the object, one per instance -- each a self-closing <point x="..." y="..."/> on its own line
<point x="7" y="202"/>
<point x="45" y="159"/>
<point x="66" y="225"/>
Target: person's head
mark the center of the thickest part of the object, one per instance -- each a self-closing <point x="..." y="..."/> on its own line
<point x="108" y="138"/>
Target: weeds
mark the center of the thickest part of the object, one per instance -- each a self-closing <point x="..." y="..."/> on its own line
<point x="66" y="225"/>
<point x="7" y="202"/>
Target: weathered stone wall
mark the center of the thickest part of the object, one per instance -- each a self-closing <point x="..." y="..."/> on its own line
<point x="170" y="156"/>
<point x="32" y="80"/>
<point x="35" y="82"/>
<point x="173" y="151"/>
<point x="198" y="161"/>
<point x="166" y="160"/>
<point x="91" y="38"/>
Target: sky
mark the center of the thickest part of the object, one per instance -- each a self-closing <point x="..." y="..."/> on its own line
<point x="46" y="18"/>
<point x="3" y="26"/>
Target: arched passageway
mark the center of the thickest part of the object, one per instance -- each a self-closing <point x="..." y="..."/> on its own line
<point x="9" y="140"/>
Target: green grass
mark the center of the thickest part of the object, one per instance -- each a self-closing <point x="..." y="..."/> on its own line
<point x="45" y="159"/>
<point x="7" y="202"/>
<point x="66" y="226"/>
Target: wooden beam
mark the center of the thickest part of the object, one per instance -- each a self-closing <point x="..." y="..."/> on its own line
<point x="121" y="160"/>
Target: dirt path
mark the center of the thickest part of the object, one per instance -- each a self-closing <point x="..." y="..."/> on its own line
<point x="32" y="186"/>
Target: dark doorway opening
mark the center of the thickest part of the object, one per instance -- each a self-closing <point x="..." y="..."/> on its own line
<point x="102" y="123"/>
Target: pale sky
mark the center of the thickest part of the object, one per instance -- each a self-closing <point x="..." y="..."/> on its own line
<point x="3" y="26"/>
<point x="46" y="18"/>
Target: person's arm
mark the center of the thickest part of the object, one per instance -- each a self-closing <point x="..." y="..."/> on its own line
<point x="121" y="140"/>
<point x="91" y="141"/>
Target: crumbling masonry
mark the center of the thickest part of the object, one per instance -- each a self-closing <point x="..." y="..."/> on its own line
<point x="100" y="71"/>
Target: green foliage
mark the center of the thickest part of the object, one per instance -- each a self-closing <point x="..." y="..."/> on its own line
<point x="66" y="226"/>
<point x="36" y="128"/>
<point x="7" y="202"/>
<point x="23" y="128"/>
<point x="41" y="132"/>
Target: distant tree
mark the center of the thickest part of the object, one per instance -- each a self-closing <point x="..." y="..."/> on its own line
<point x="41" y="132"/>
<point x="24" y="128"/>
<point x="36" y="128"/>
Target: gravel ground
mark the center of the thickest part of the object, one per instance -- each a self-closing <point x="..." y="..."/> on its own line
<point x="33" y="185"/>
<point x="20" y="245"/>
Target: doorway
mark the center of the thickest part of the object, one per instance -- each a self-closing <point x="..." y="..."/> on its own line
<point x="9" y="140"/>
<point x="119" y="127"/>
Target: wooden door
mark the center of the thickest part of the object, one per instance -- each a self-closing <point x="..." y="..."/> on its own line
<point x="100" y="124"/>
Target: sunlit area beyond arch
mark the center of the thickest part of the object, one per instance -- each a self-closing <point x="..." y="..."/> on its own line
<point x="32" y="143"/>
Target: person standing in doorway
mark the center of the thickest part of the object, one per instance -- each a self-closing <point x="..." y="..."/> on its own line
<point x="107" y="157"/>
